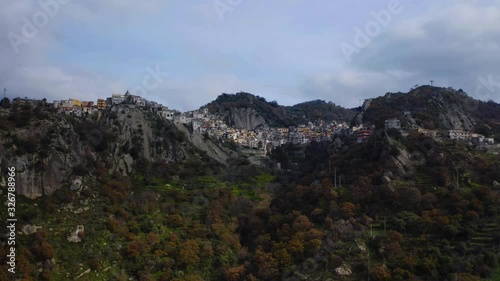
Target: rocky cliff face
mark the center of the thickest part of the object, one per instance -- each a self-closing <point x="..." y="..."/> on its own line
<point x="51" y="151"/>
<point x="214" y="150"/>
<point x="44" y="155"/>
<point x="452" y="115"/>
<point x="246" y="118"/>
<point x="144" y="135"/>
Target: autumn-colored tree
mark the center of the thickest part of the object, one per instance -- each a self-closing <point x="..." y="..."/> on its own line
<point x="233" y="273"/>
<point x="267" y="265"/>
<point x="175" y="220"/>
<point x="173" y="240"/>
<point x="284" y="231"/>
<point x="134" y="248"/>
<point x="3" y="273"/>
<point x="302" y="222"/>
<point x="280" y="253"/>
<point x="23" y="263"/>
<point x="393" y="250"/>
<point x="317" y="214"/>
<point x="189" y="253"/>
<point x="380" y="273"/>
<point x="295" y="246"/>
<point x="434" y="218"/>
<point x="146" y="276"/>
<point x="215" y="213"/>
<point x="348" y="209"/>
<point x="467" y="277"/>
<point x="117" y="226"/>
<point x="251" y="277"/>
<point x="327" y="183"/>
<point x="395" y="236"/>
<point x="47" y="250"/>
<point x="408" y="263"/>
<point x="190" y="277"/>
<point x="116" y="190"/>
<point x="152" y="239"/>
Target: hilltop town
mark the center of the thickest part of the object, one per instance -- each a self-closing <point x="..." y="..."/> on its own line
<point x="203" y="122"/>
<point x="262" y="138"/>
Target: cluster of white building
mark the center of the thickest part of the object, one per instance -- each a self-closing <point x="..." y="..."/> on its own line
<point x="79" y="108"/>
<point x="263" y="137"/>
<point x="466" y="136"/>
<point x="461" y="135"/>
<point x="203" y="122"/>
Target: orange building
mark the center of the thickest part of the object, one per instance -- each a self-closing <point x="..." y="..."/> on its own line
<point x="101" y="104"/>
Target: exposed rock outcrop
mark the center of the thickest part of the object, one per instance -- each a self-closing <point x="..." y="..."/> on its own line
<point x="343" y="270"/>
<point x="76" y="185"/>
<point x="29" y="229"/>
<point x="59" y="151"/>
<point x="246" y="118"/>
<point x="74" y="234"/>
<point x="220" y="153"/>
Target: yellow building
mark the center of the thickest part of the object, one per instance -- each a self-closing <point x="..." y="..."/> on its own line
<point x="76" y="102"/>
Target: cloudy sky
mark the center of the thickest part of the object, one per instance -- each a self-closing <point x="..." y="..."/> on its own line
<point x="185" y="53"/>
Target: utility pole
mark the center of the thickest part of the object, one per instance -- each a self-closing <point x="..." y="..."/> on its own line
<point x="4" y="92"/>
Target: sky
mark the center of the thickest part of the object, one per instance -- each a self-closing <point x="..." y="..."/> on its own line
<point x="184" y="54"/>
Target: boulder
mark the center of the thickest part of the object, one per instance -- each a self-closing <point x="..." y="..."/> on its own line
<point x="343" y="270"/>
<point x="76" y="184"/>
<point x="50" y="264"/>
<point x="73" y="235"/>
<point x="496" y="185"/>
<point x="386" y="180"/>
<point x="29" y="229"/>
